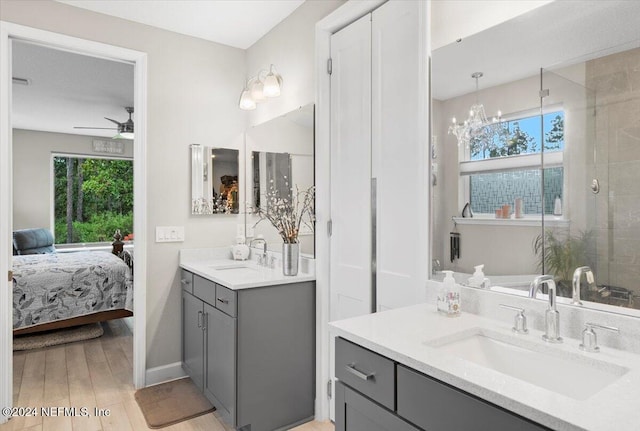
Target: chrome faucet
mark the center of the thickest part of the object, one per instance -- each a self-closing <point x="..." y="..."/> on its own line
<point x="577" y="275"/>
<point x="551" y="316"/>
<point x="262" y="259"/>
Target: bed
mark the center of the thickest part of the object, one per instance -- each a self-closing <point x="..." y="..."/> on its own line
<point x="57" y="290"/>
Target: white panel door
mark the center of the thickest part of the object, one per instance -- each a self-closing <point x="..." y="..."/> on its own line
<point x="400" y="155"/>
<point x="350" y="249"/>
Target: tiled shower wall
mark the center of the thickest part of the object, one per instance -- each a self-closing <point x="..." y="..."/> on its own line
<point x="616" y="80"/>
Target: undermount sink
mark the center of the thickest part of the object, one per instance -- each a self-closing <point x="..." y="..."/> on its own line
<point x="573" y="375"/>
<point x="226" y="266"/>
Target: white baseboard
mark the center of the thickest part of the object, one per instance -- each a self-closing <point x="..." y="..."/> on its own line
<point x="164" y="374"/>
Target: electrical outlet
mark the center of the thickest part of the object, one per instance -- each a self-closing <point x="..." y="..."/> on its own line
<point x="239" y="230"/>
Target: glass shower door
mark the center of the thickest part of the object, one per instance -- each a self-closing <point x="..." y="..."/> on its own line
<point x="575" y="217"/>
<point x="601" y="162"/>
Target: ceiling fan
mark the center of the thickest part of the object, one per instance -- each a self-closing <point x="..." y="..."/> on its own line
<point x="125" y="129"/>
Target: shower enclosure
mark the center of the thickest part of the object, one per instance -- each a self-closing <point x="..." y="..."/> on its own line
<point x="600" y="99"/>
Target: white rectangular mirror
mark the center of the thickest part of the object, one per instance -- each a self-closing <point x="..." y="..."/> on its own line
<point x="280" y="157"/>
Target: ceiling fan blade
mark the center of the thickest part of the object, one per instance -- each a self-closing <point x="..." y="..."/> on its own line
<point x="105" y="128"/>
<point x="114" y="121"/>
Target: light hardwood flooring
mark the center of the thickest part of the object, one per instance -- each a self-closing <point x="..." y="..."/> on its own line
<point x="93" y="373"/>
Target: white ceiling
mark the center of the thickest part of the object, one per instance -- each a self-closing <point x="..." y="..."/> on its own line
<point x="561" y="32"/>
<point x="67" y="90"/>
<point x="230" y="22"/>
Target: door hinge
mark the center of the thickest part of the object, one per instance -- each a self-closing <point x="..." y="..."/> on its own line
<point x="329" y="389"/>
<point x="329" y="66"/>
<point x="330" y="227"/>
<point x="543" y="93"/>
<point x="10" y="275"/>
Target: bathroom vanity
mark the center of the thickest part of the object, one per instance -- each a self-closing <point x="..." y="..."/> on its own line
<point x="248" y="341"/>
<point x="413" y="369"/>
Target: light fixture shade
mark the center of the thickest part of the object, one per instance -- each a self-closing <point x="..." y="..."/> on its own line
<point x="124" y="135"/>
<point x="256" y="89"/>
<point x="272" y="83"/>
<point x="246" y="102"/>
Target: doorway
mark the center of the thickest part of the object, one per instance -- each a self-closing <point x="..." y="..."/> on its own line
<point x="8" y="34"/>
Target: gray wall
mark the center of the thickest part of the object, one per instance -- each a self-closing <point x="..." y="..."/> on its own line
<point x="290" y="46"/>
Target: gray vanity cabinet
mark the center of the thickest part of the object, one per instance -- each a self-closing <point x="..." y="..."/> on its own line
<point x="193" y="338"/>
<point x="252" y="351"/>
<point x="371" y="397"/>
<point x="220" y="344"/>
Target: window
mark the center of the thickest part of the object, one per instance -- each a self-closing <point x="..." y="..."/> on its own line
<point x="498" y="173"/>
<point x="92" y="198"/>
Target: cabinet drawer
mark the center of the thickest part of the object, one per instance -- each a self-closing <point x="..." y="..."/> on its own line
<point x="354" y="412"/>
<point x="204" y="289"/>
<point x="366" y="371"/>
<point x="433" y="405"/>
<point x="225" y="300"/>
<point x="186" y="280"/>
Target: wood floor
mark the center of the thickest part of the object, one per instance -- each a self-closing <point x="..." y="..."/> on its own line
<point x="93" y="374"/>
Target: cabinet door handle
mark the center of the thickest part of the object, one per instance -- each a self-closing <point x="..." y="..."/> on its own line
<point x="185" y="282"/>
<point x="205" y="325"/>
<point x="199" y="319"/>
<point x="224" y="301"/>
<point x="359" y="374"/>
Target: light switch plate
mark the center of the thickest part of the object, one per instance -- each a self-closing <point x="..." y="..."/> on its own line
<point x="169" y="233"/>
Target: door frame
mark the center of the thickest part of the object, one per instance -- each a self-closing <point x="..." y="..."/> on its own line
<point x="338" y="19"/>
<point x="9" y="31"/>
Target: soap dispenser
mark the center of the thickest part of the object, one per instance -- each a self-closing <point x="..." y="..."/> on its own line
<point x="449" y="296"/>
<point x="240" y="250"/>
<point x="478" y="279"/>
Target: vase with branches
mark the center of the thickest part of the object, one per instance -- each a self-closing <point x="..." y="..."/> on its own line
<point x="288" y="213"/>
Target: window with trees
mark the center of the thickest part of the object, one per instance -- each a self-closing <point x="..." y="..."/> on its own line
<point x="499" y="172"/>
<point x="92" y="198"/>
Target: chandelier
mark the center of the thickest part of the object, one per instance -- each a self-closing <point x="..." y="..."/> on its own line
<point x="477" y="131"/>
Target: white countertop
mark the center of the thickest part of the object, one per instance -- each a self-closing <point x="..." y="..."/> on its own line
<point x="204" y="262"/>
<point x="400" y="335"/>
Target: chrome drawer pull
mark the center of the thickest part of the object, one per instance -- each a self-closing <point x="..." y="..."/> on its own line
<point x="359" y="374"/>
<point x="224" y="301"/>
<point x="185" y="282"/>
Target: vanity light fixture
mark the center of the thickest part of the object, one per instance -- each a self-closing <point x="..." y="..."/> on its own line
<point x="246" y="101"/>
<point x="259" y="88"/>
<point x="256" y="87"/>
<point x="477" y="129"/>
<point x="272" y="83"/>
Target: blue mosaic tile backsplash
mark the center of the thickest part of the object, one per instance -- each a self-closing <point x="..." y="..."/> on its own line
<point x="490" y="191"/>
